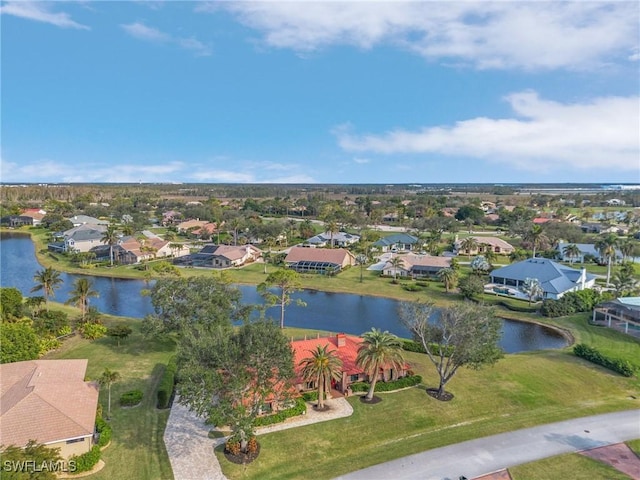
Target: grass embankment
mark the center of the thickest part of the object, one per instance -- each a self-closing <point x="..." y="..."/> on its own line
<point x="137" y="449"/>
<point x="573" y="466"/>
<point x="520" y="391"/>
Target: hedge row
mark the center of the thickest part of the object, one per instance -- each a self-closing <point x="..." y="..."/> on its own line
<point x="86" y="461"/>
<point x="104" y="429"/>
<point x="299" y="408"/>
<point x="410" y="381"/>
<point x="165" y="388"/>
<point x="623" y="367"/>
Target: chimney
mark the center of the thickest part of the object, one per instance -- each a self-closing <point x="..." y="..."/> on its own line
<point x="342" y="339"/>
<point x="583" y="278"/>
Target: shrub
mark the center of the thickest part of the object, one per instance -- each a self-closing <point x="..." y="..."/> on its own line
<point x="310" y="396"/>
<point x="623" y="367"/>
<point x="252" y="445"/>
<point x="104" y="429"/>
<point x="86" y="461"/>
<point x="165" y="388"/>
<point x="299" y="408"/>
<point x="411" y="287"/>
<point x="413" y="346"/>
<point x="233" y="447"/>
<point x="408" y="381"/>
<point x="131" y="398"/>
<point x="92" y="331"/>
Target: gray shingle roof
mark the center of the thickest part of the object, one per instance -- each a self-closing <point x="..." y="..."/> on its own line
<point x="396" y="238"/>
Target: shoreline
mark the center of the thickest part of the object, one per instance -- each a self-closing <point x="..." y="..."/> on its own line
<point x="502" y="312"/>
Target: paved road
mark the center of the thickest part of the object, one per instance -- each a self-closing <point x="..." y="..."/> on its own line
<point x="485" y="455"/>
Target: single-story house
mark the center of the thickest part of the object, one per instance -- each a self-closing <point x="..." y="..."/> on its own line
<point x="337" y="239"/>
<point x="147" y="248"/>
<point x="497" y="245"/>
<point x="78" y="220"/>
<point x="16" y="221"/>
<point x="80" y="239"/>
<point x="399" y="242"/>
<point x="346" y="348"/>
<point x="50" y="402"/>
<point x="221" y="256"/>
<point x="555" y="279"/>
<point x="585" y="249"/>
<point x="170" y="217"/>
<point x="416" y="266"/>
<point x="121" y="256"/>
<point x="625" y="311"/>
<point x="36" y="213"/>
<point x="319" y="260"/>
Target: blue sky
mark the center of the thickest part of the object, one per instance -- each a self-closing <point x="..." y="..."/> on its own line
<point x="320" y="92"/>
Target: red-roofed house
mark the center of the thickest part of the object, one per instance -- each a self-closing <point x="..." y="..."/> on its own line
<point x="319" y="260"/>
<point x="346" y="348"/>
<point x="48" y="401"/>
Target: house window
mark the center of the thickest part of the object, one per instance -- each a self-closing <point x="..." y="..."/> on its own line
<point x="354" y="378"/>
<point x="75" y="440"/>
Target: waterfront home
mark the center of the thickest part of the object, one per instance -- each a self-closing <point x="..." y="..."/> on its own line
<point x="14" y="221"/>
<point x="319" y="260"/>
<point x="555" y="279"/>
<point x="346" y="349"/>
<point x="50" y="402"/>
<point x="79" y="239"/>
<point x="416" y="266"/>
<point x="221" y="256"/>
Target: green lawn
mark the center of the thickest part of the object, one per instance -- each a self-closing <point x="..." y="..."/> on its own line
<point x="137" y="450"/>
<point x="573" y="466"/>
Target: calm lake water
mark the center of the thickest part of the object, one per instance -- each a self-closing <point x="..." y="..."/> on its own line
<point x="334" y="312"/>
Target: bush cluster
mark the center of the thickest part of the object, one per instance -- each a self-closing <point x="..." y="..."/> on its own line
<point x="299" y="408"/>
<point x="411" y="287"/>
<point x="165" y="389"/>
<point x="408" y="381"/>
<point x="413" y="346"/>
<point x="92" y="331"/>
<point x="104" y="429"/>
<point x="232" y="446"/>
<point x="131" y="398"/>
<point x="87" y="461"/>
<point x="573" y="302"/>
<point x="623" y="367"/>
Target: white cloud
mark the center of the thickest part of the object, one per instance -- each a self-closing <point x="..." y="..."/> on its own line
<point x="486" y="35"/>
<point x="40" y="12"/>
<point x="361" y="161"/>
<point x="543" y="135"/>
<point x="149" y="34"/>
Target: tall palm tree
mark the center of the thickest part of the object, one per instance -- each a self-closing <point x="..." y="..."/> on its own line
<point x="572" y="251"/>
<point x="449" y="277"/>
<point x="379" y="350"/>
<point x="626" y="246"/>
<point x="489" y="255"/>
<point x="108" y="378"/>
<point x="320" y="367"/>
<point x="536" y="237"/>
<point x="48" y="280"/>
<point x="110" y="237"/>
<point x="80" y="294"/>
<point x="396" y="262"/>
<point x="606" y="247"/>
<point x="332" y="227"/>
<point x="469" y="244"/>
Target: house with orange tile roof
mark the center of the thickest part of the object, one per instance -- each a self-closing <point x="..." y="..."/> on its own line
<point x="346" y="348"/>
<point x="497" y="245"/>
<point x="319" y="260"/>
<point x="50" y="402"/>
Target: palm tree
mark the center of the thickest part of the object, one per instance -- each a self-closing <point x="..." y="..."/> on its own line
<point x="48" y="280"/>
<point x="80" y="294"/>
<point x="572" y="251"/>
<point x="379" y="350"/>
<point x="322" y="366"/>
<point x="532" y="288"/>
<point x="489" y="255"/>
<point x="469" y="244"/>
<point x="536" y="237"/>
<point x="174" y="247"/>
<point x="108" y="378"/>
<point x="396" y="262"/>
<point x="606" y="247"/>
<point x="449" y="277"/>
<point x="332" y="227"/>
<point x="626" y="246"/>
<point x="110" y="237"/>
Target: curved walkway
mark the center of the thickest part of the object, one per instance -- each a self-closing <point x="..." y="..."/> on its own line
<point x="190" y="449"/>
<point x="481" y="456"/>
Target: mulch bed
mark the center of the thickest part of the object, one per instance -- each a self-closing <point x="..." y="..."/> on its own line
<point x="373" y="401"/>
<point x="325" y="408"/>
<point x="445" y="397"/>
<point x="242" y="458"/>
